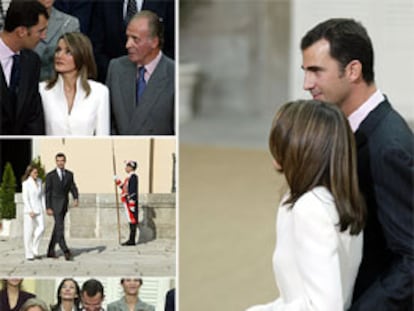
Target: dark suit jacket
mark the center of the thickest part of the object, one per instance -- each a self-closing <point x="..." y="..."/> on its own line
<point x="385" y="145"/>
<point x="155" y="112"/>
<point x="170" y="300"/>
<point x="108" y="28"/>
<point x="29" y="118"/>
<point x="4" y="300"/>
<point x="57" y="192"/>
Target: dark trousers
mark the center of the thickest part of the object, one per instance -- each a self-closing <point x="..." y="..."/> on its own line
<point x="58" y="236"/>
<point x="132" y="232"/>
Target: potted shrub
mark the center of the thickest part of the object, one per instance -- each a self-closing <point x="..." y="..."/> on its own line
<point x="7" y="204"/>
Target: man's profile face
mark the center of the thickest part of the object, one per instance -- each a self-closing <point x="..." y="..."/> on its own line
<point x="93" y="303"/>
<point x="142" y="48"/>
<point x="35" y="33"/>
<point x="324" y="78"/>
<point x="60" y="162"/>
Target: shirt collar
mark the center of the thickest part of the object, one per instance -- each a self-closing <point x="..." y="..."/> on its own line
<point x="150" y="67"/>
<point x="5" y="51"/>
<point x="355" y="119"/>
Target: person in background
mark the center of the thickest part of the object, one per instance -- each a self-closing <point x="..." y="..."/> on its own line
<point x="170" y="300"/>
<point x="130" y="300"/>
<point x="34" y="210"/>
<point x="338" y="61"/>
<point x="12" y="297"/>
<point x="81" y="9"/>
<point x="142" y="84"/>
<point x="130" y="199"/>
<point x="59" y="23"/>
<point x="68" y="296"/>
<point x="20" y="104"/>
<point x="92" y="295"/>
<point x="34" y="304"/>
<point x="73" y="103"/>
<point x="321" y="217"/>
<point x="108" y="25"/>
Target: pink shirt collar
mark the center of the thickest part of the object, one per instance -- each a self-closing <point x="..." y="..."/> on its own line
<point x="355" y="119"/>
<point x="150" y="67"/>
<point x="6" y="59"/>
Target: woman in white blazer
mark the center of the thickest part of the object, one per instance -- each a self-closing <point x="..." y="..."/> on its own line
<point x="320" y="219"/>
<point x="33" y="212"/>
<point x="74" y="104"/>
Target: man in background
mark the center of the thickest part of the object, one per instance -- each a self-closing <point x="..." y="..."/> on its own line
<point x="142" y="84"/>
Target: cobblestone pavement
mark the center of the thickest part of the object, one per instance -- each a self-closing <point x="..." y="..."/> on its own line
<point x="92" y="257"/>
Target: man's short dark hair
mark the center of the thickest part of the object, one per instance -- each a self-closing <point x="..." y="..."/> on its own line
<point x="92" y="287"/>
<point x="60" y="155"/>
<point x="23" y="13"/>
<point x="348" y="41"/>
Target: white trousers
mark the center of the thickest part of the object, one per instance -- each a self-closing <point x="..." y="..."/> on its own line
<point x="33" y="229"/>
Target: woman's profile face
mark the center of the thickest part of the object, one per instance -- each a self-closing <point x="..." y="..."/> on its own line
<point x="34" y="174"/>
<point x="64" y="61"/>
<point x="68" y="290"/>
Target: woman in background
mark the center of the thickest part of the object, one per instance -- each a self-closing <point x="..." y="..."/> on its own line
<point x="12" y="297"/>
<point x="34" y="304"/>
<point x="57" y="24"/>
<point x="33" y="212"/>
<point x="320" y="219"/>
<point x="74" y="104"/>
<point x="68" y="296"/>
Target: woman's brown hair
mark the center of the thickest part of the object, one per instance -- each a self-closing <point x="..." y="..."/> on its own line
<point x="29" y="169"/>
<point x="314" y="145"/>
<point x="81" y="48"/>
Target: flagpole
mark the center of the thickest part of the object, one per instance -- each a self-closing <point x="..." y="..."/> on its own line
<point x="116" y="193"/>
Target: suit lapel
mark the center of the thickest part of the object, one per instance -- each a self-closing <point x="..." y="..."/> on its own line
<point x="128" y="87"/>
<point x="149" y="98"/>
<point x="53" y="26"/>
<point x="371" y="122"/>
<point x="4" y="97"/>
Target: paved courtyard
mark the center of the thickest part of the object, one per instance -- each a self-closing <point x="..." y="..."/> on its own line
<point x="92" y="257"/>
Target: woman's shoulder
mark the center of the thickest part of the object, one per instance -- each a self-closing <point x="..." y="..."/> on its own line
<point x="319" y="200"/>
<point x="97" y="86"/>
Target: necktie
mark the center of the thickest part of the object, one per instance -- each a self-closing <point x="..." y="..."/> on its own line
<point x="15" y="74"/>
<point x="131" y="10"/>
<point x="141" y="84"/>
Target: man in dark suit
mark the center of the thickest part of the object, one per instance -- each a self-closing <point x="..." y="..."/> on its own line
<point x="20" y="104"/>
<point x="338" y="64"/>
<point x="142" y="84"/>
<point x="59" y="183"/>
<point x="108" y="25"/>
<point x="82" y="9"/>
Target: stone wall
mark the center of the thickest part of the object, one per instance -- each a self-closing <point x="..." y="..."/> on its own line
<point x="96" y="217"/>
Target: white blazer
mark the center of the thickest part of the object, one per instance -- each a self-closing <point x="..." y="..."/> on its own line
<point x="89" y="115"/>
<point x="315" y="264"/>
<point x="33" y="196"/>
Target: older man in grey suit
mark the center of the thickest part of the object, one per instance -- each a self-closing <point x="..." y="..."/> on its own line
<point x="59" y="23"/>
<point x="142" y="84"/>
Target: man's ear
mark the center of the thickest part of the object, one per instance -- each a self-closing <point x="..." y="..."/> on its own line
<point x="354" y="70"/>
<point x="21" y="31"/>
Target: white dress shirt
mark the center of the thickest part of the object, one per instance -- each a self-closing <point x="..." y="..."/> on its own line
<point x="315" y="264"/>
<point x="359" y="115"/>
<point x="89" y="115"/>
<point x="6" y="60"/>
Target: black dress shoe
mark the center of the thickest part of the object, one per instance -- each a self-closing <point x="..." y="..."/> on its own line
<point x="68" y="256"/>
<point x="128" y="243"/>
<point x="51" y="255"/>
